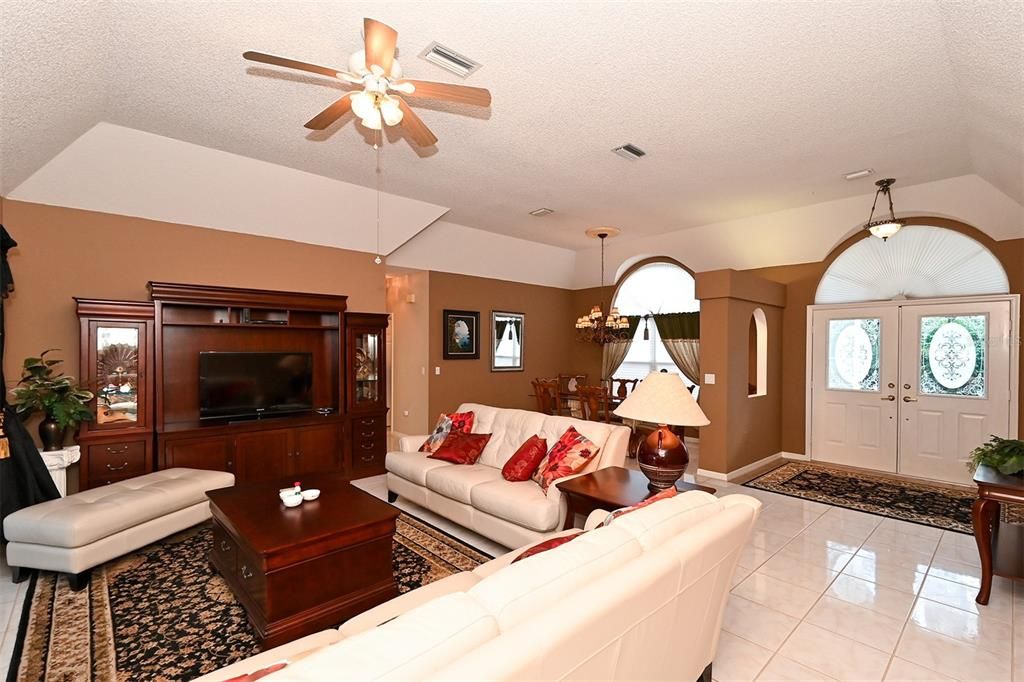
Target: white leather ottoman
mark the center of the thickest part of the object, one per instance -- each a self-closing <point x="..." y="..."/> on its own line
<point x="75" y="533"/>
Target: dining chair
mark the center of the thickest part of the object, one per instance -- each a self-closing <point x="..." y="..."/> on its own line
<point x="594" y="400"/>
<point x="546" y="393"/>
<point x="624" y="387"/>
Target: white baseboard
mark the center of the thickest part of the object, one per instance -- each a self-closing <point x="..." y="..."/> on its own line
<point x="748" y="469"/>
<point x="795" y="456"/>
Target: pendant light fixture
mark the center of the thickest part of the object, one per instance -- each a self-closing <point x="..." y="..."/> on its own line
<point x="595" y="326"/>
<point x="883" y="227"/>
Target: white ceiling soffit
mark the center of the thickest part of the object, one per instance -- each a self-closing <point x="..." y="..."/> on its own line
<point x="918" y="262"/>
<point x="808" y="233"/>
<point x="119" y="170"/>
<point x="742" y="109"/>
<point x="447" y="247"/>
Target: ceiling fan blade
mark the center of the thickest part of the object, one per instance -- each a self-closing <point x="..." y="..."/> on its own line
<point x="414" y="125"/>
<point x="380" y="42"/>
<point x="331" y="114"/>
<point x="462" y="94"/>
<point x="290" y="63"/>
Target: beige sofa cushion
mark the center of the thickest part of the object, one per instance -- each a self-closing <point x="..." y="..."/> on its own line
<point x="92" y="515"/>
<point x="367" y="620"/>
<point x="521" y="502"/>
<point x="413" y="466"/>
<point x="457" y="481"/>
<point x="526" y="587"/>
<point x="411" y="647"/>
<point x="655" y="524"/>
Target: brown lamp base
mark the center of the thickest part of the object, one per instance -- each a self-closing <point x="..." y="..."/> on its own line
<point x="662" y="458"/>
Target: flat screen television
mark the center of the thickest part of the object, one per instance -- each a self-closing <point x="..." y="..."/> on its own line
<point x="254" y="385"/>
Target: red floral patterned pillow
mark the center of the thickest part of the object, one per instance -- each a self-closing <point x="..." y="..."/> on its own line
<point x="542" y="547"/>
<point x="522" y="465"/>
<point x="569" y="455"/>
<point x="461" y="448"/>
<point x="446" y="423"/>
<point x="663" y="495"/>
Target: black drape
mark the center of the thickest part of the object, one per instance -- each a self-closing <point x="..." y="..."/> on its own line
<point x="24" y="480"/>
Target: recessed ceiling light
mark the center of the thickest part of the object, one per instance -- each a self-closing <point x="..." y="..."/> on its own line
<point x="857" y="175"/>
<point x="541" y="212"/>
<point x="449" y="59"/>
<point x="630" y="151"/>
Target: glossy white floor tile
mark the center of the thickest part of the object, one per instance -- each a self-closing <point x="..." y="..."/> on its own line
<point x="853" y="596"/>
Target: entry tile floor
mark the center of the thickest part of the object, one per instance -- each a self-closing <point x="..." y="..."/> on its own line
<point x="821" y="593"/>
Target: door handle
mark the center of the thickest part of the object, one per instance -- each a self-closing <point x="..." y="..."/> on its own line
<point x="908" y="399"/>
<point x="888" y="398"/>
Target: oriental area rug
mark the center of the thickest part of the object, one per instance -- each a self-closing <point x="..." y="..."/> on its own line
<point x="930" y="504"/>
<point x="162" y="613"/>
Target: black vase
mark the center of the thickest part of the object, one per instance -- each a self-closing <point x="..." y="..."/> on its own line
<point x="51" y="435"/>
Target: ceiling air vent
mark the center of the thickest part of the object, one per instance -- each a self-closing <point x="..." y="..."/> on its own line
<point x="449" y="60"/>
<point x="630" y="151"/>
<point x="541" y="212"/>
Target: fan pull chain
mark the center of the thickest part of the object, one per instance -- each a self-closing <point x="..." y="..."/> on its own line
<point x="377" y="146"/>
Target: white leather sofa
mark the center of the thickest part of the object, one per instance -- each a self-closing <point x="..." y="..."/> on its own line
<point x="641" y="599"/>
<point x="477" y="496"/>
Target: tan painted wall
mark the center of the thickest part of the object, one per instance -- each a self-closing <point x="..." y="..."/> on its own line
<point x="743" y="429"/>
<point x="549" y="346"/>
<point x="66" y="252"/>
<point x="410" y="350"/>
<point x="801" y="283"/>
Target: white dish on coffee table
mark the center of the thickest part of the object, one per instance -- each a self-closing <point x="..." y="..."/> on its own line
<point x="310" y="494"/>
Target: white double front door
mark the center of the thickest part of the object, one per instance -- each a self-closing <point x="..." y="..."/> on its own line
<point x="911" y="387"/>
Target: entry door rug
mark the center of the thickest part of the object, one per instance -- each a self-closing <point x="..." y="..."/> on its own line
<point x="162" y="613"/>
<point x="935" y="505"/>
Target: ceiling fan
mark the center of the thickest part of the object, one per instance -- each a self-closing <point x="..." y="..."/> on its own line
<point x="379" y="74"/>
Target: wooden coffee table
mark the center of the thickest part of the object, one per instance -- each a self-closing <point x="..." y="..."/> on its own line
<point x="299" y="570"/>
<point x="610" y="488"/>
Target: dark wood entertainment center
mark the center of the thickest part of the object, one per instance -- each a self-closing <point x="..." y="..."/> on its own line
<point x="142" y="359"/>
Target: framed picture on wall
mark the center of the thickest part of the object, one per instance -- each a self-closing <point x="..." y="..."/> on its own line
<point x="461" y="335"/>
<point x="507" y="332"/>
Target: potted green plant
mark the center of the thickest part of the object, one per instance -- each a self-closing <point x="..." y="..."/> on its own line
<point x="1005" y="455"/>
<point x="63" y="402"/>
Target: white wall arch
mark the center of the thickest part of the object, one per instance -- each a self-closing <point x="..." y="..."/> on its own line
<point x="921" y="261"/>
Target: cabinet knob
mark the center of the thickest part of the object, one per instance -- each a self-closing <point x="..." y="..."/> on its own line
<point x="246" y="573"/>
<point x="224" y="545"/>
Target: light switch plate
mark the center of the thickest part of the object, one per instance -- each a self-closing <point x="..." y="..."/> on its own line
<point x="437" y="371"/>
<point x="709" y="378"/>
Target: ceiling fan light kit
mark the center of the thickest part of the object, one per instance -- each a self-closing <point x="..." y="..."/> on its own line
<point x="378" y="73"/>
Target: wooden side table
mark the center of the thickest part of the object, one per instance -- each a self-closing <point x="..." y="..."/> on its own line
<point x="1000" y="545"/>
<point x="610" y="488"/>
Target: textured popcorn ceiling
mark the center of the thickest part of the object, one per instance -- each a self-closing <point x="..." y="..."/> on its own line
<point x="744" y="108"/>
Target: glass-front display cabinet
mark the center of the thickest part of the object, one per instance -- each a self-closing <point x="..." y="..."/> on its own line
<point x="366" y="400"/>
<point x="116" y="365"/>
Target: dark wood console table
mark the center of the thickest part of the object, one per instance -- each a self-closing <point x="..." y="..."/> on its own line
<point x="1000" y="545"/>
<point x="303" y="569"/>
<point x="610" y="488"/>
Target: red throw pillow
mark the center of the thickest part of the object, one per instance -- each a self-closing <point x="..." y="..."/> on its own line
<point x="569" y="455"/>
<point x="446" y="423"/>
<point x="542" y="547"/>
<point x="461" y="448"/>
<point x="520" y="466"/>
<point x="663" y="495"/>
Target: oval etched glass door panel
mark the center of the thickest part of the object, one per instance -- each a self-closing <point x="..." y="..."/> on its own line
<point x="953" y="355"/>
<point x="117" y="375"/>
<point x="853" y="354"/>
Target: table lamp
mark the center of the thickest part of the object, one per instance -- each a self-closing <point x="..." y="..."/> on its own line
<point x="662" y="399"/>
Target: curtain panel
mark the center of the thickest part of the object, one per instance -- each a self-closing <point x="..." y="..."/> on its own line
<point x="612" y="354"/>
<point x="680" y="333"/>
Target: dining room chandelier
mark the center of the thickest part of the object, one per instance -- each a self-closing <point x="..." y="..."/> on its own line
<point x="595" y="326"/>
<point x="883" y="228"/>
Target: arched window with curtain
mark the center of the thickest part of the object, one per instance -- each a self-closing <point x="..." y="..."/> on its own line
<point x="664" y="314"/>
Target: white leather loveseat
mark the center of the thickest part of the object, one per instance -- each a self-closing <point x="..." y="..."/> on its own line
<point x="477" y="496"/>
<point x="640" y="599"/>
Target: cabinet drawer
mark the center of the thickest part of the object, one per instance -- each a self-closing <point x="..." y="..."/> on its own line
<point x="250" y="576"/>
<point x="225" y="549"/>
<point x="370" y="422"/>
<point x="110" y="461"/>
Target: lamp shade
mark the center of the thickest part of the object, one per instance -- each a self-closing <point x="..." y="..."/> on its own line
<point x="662" y="398"/>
